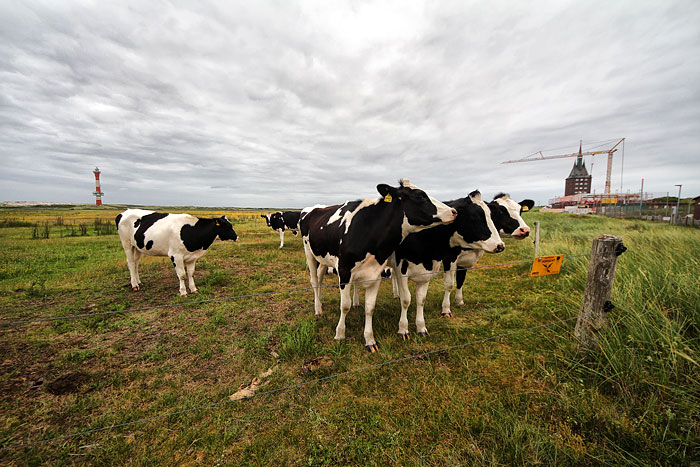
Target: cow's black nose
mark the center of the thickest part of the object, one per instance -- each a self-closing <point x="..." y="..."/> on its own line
<point x="454" y="212"/>
<point x="500" y="248"/>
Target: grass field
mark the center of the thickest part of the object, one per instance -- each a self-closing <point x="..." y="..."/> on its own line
<point x="527" y="398"/>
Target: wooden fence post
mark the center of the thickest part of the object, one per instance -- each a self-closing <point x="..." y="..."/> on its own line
<point x="593" y="316"/>
<point x="537" y="238"/>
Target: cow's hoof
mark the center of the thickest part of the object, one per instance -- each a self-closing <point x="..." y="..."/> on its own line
<point x="447" y="315"/>
<point x="194" y="291"/>
<point x="336" y="338"/>
<point x="424" y="333"/>
<point x="136" y="288"/>
<point x="374" y="348"/>
<point x="405" y="337"/>
<point x="460" y="303"/>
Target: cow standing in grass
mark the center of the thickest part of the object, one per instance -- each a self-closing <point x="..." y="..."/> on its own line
<point x="182" y="237"/>
<point x="421" y="254"/>
<point x="358" y="237"/>
<point x="506" y="214"/>
<point x="281" y="221"/>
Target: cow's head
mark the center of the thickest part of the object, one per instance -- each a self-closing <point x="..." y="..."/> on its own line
<point x="474" y="227"/>
<point x="224" y="229"/>
<point x="267" y="218"/>
<point x="420" y="210"/>
<point x="506" y="215"/>
<point x="276" y="220"/>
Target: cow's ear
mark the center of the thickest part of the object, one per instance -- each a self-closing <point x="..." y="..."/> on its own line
<point x="475" y="196"/>
<point x="388" y="192"/>
<point x="526" y="205"/>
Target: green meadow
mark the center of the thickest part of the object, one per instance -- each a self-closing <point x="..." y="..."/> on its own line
<point x="529" y="397"/>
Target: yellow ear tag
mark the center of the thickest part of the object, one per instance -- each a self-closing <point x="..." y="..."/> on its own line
<point x="387" y="198"/>
<point x="525" y="208"/>
<point x="218" y="223"/>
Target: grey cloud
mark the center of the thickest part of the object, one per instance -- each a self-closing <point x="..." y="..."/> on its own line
<point x="282" y="104"/>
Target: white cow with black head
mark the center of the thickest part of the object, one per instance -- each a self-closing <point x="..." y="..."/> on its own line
<point x="182" y="237"/>
<point x="358" y="237"/>
<point x="281" y="221"/>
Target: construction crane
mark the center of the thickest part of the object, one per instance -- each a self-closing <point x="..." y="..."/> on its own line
<point x="538" y="156"/>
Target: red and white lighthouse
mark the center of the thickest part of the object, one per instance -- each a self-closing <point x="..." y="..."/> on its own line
<point x="98" y="192"/>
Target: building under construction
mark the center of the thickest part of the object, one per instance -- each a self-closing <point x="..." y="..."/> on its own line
<point x="592" y="202"/>
<point x="577" y="186"/>
<point x="577" y="190"/>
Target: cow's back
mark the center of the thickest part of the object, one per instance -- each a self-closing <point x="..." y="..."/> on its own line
<point x="291" y="219"/>
<point x="324" y="239"/>
<point x="128" y="221"/>
<point x="153" y="233"/>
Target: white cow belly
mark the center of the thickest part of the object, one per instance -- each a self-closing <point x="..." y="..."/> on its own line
<point x="418" y="273"/>
<point x="469" y="258"/>
<point x="368" y="269"/>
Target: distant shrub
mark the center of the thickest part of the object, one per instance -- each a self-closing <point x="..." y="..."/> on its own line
<point x="105" y="227"/>
<point x="40" y="230"/>
<point x="7" y="223"/>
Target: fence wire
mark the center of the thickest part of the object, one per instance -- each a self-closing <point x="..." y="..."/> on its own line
<point x="283" y="388"/>
<point x="6" y="324"/>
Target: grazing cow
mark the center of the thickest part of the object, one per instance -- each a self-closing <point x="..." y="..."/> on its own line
<point x="281" y="221"/>
<point x="357" y="238"/>
<point x="182" y="237"/>
<point x="506" y="216"/>
<point x="420" y="255"/>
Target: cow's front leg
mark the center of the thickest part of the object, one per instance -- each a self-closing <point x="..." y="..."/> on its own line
<point x="421" y="293"/>
<point x="405" y="297"/>
<point x="281" y="231"/>
<point x="345" y="302"/>
<point x="370" y="300"/>
<point x="449" y="282"/>
<point x="179" y="263"/>
<point x="190" y="275"/>
<point x="461" y="275"/>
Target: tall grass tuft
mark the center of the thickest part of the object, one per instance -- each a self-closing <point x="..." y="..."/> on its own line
<point x="649" y="356"/>
<point x="299" y="341"/>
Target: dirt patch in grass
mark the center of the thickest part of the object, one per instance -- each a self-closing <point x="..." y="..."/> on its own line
<point x="67" y="383"/>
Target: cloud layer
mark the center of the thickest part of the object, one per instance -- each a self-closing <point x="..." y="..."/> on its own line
<point x="279" y="104"/>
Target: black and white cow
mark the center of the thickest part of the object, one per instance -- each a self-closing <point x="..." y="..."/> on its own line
<point x="182" y="237"/>
<point x="506" y="216"/>
<point x="358" y="237"/>
<point x="281" y="221"/>
<point x="421" y="254"/>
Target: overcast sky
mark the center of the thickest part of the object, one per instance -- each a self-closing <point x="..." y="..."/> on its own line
<point x="290" y="104"/>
